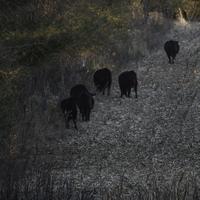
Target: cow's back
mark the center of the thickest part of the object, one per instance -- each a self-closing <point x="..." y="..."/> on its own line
<point x="127" y="78"/>
<point x="102" y="76"/>
<point x="77" y="90"/>
<point x="171" y="47"/>
<point x="85" y="101"/>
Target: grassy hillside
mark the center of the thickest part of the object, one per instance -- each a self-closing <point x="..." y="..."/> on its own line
<point x="145" y="149"/>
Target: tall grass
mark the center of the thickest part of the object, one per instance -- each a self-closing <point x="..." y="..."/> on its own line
<point x="44" y="184"/>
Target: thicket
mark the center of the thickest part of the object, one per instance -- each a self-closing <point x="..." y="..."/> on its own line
<point x="33" y="30"/>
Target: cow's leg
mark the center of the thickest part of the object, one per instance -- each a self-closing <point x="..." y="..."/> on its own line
<point x="135" y="88"/>
<point x="66" y="119"/>
<point x="83" y="116"/>
<point x="126" y="92"/>
<point x="129" y="92"/>
<point x="109" y="86"/>
<point x="88" y="115"/>
<point x="79" y="115"/>
<point x="173" y="58"/>
<point x="75" y="126"/>
<point x="67" y="122"/>
<point x="122" y="92"/>
<point x="169" y="58"/>
<point x="108" y="90"/>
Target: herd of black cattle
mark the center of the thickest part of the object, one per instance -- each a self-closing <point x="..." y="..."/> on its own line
<point x="83" y="99"/>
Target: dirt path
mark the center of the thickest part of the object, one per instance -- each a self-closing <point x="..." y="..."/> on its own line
<point x="158" y="133"/>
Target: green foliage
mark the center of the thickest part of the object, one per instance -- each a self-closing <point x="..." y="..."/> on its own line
<point x="42" y="28"/>
<point x="84" y="26"/>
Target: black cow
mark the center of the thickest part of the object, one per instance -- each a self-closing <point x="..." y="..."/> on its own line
<point x="84" y="100"/>
<point x="128" y="80"/>
<point x="77" y="90"/>
<point x="102" y="80"/>
<point x="171" y="48"/>
<point x="85" y="103"/>
<point x="68" y="107"/>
